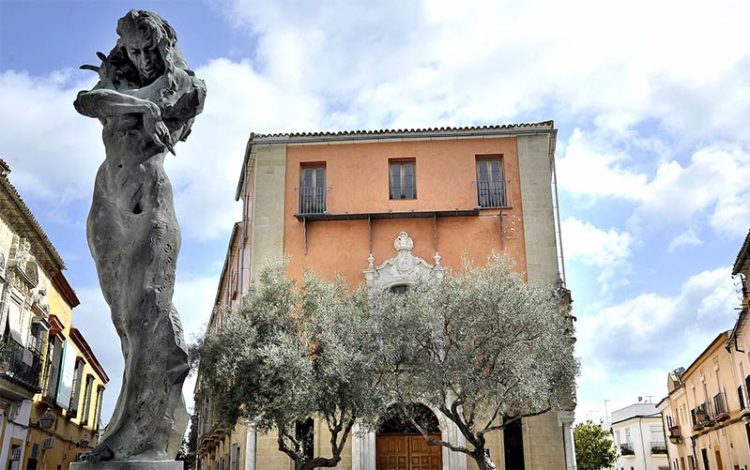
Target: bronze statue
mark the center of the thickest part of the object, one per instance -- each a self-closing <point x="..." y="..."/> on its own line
<point x="146" y="99"/>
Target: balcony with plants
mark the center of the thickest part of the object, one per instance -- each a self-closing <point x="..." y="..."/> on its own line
<point x="658" y="447"/>
<point x="626" y="449"/>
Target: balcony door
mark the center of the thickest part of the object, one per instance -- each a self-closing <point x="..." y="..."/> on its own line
<point x="312" y="189"/>
<point x="490" y="187"/>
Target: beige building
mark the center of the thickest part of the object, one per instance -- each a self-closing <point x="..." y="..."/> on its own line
<point x="707" y="411"/>
<point x="336" y="202"/>
<point x="44" y="361"/>
<point x="638" y="433"/>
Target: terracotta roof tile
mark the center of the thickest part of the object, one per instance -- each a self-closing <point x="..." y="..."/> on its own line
<point x="378" y="132"/>
<point x="742" y="255"/>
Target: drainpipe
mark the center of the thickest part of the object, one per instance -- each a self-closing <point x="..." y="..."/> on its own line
<point x="643" y="446"/>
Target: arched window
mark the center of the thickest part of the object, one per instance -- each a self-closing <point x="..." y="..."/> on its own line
<point x="396" y="421"/>
<point x="399" y="289"/>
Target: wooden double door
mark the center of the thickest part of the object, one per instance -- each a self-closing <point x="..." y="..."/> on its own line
<point x="407" y="452"/>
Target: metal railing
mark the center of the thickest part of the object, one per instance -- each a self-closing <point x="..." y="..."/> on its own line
<point x="312" y="200"/>
<point x="658" y="447"/>
<point x="720" y="405"/>
<point x="20" y="364"/>
<point x="675" y="432"/>
<point x="490" y="194"/>
<point x="626" y="449"/>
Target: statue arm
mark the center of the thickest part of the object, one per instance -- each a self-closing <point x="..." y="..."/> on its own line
<point x="190" y="102"/>
<point x="104" y="103"/>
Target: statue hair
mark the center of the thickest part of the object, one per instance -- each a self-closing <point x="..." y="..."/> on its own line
<point x="120" y="71"/>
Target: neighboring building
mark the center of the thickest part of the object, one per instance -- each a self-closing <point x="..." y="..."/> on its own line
<point x="639" y="435"/>
<point x="39" y="348"/>
<point x="351" y="203"/>
<point x="707" y="412"/>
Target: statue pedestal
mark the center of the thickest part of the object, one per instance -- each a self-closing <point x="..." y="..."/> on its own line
<point x="128" y="465"/>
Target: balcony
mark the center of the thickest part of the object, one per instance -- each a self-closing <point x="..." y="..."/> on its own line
<point x="704" y="415"/>
<point x="675" y="434"/>
<point x="490" y="194"/>
<point x="658" y="447"/>
<point x="720" y="407"/>
<point x="627" y="449"/>
<point x="312" y="200"/>
<point x="20" y="365"/>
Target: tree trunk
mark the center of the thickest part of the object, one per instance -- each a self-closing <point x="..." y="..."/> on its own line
<point x="484" y="462"/>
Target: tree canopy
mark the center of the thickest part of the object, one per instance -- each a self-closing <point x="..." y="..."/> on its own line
<point x="482" y="346"/>
<point x="294" y="352"/>
<point x="595" y="449"/>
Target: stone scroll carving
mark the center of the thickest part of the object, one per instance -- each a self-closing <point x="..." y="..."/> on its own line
<point x="402" y="269"/>
<point x="146" y="100"/>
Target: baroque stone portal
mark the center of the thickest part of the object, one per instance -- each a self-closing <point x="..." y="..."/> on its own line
<point x="402" y="269"/>
<point x="146" y="99"/>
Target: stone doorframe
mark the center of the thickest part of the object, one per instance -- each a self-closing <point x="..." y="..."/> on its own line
<point x="364" y="452"/>
<point x="404" y="269"/>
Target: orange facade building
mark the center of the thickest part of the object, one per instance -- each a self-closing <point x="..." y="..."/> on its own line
<point x="336" y="203"/>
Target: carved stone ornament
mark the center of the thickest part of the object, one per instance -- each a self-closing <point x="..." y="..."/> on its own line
<point x="146" y="100"/>
<point x="23" y="264"/>
<point x="402" y="269"/>
<point x="39" y="303"/>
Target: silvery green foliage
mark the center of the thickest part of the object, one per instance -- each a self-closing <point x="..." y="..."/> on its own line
<point x="292" y="352"/>
<point x="482" y="347"/>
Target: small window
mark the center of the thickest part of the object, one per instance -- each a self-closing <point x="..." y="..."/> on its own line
<point x="87" y="399"/>
<point x="312" y="189"/>
<point x="490" y="184"/>
<point x="402" y="179"/>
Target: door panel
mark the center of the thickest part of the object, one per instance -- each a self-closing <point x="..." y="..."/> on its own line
<point x="407" y="452"/>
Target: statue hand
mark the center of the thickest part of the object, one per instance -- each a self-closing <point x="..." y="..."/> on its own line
<point x="156" y="129"/>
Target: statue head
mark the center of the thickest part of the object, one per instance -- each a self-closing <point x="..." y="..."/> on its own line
<point x="145" y="37"/>
<point x="146" y="49"/>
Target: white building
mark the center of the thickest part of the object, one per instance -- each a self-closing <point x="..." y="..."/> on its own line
<point x="639" y="435"/>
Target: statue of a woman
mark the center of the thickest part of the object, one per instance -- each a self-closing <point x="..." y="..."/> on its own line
<point x="146" y="99"/>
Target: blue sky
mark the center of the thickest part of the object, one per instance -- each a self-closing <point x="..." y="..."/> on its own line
<point x="652" y="147"/>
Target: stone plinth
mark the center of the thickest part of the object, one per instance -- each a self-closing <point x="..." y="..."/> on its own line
<point x="128" y="465"/>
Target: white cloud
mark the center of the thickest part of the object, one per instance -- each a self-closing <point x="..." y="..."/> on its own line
<point x="650" y="334"/>
<point x="593" y="168"/>
<point x="686" y="238"/>
<point x="429" y="62"/>
<point x="712" y="184"/>
<point x="606" y="250"/>
<point x="715" y="183"/>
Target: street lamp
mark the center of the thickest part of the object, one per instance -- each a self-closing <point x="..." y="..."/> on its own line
<point x="47" y="420"/>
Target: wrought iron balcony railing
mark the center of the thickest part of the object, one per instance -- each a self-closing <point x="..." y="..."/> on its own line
<point x="658" y="447"/>
<point x="675" y="434"/>
<point x="20" y="364"/>
<point x="720" y="407"/>
<point x="312" y="200"/>
<point x="626" y="449"/>
<point x="491" y="194"/>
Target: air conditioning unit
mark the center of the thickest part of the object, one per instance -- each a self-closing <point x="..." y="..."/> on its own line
<point x="49" y="442"/>
<point x="15" y="453"/>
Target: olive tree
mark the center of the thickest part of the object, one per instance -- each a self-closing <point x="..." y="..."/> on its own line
<point x="292" y="352"/>
<point x="482" y="346"/>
